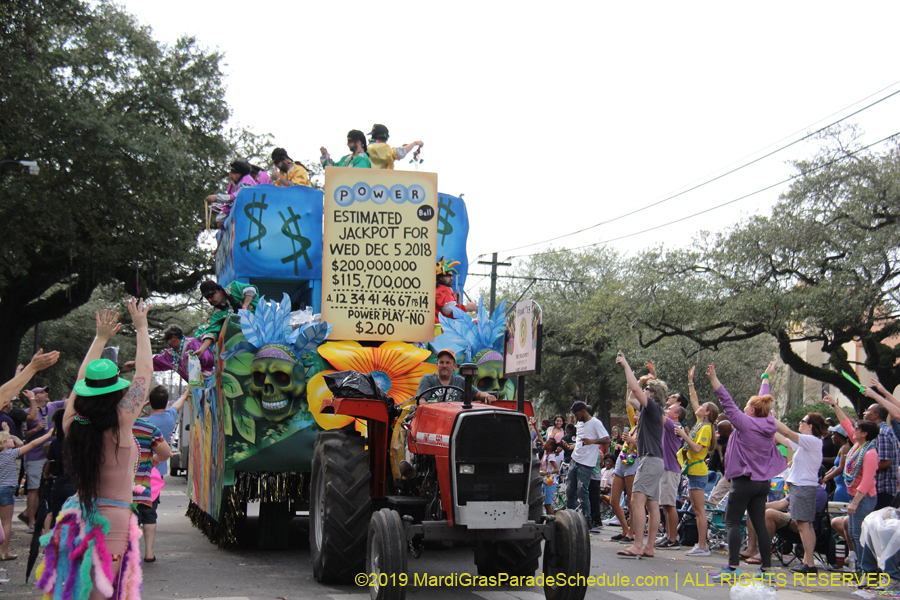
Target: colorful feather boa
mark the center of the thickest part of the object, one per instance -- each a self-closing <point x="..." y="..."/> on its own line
<point x="76" y="549"/>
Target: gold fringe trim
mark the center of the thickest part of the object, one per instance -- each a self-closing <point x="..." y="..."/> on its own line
<point x="248" y="487"/>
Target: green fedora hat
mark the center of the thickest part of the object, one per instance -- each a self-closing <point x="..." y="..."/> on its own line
<point x="101" y="377"/>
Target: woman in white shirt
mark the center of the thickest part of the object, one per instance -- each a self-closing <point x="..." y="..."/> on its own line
<point x="803" y="479"/>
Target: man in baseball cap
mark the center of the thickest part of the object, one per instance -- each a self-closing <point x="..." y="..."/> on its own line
<point x="591" y="433"/>
<point x="447" y="376"/>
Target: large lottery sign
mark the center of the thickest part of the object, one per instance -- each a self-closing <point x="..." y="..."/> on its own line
<point x="379" y="251"/>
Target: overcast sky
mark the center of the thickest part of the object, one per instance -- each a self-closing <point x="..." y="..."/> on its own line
<point x="553" y="117"/>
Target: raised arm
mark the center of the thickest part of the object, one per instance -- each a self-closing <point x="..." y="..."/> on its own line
<point x="632" y="380"/>
<point x="783" y="430"/>
<point x="713" y="379"/>
<point x="884" y="392"/>
<point x="35" y="443"/>
<point x="841" y="415"/>
<point x="178" y="404"/>
<point x="695" y="401"/>
<point x="39" y="362"/>
<point x="136" y="397"/>
<point x="764" y="387"/>
<point x="107" y="325"/>
<point x="892" y="408"/>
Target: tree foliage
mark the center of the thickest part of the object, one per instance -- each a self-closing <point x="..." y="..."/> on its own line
<point x="588" y="317"/>
<point x="129" y="136"/>
<point x="822" y="268"/>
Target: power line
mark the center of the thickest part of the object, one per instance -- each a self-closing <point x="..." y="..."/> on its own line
<point x="768" y="187"/>
<point x="716" y="178"/>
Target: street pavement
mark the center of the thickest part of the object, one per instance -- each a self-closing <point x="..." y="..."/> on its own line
<point x="189" y="567"/>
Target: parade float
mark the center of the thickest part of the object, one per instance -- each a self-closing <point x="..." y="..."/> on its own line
<point x="368" y="270"/>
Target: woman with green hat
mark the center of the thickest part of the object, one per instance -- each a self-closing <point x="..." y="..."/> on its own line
<point x="102" y="455"/>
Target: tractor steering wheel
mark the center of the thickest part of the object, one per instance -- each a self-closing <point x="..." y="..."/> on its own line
<point x="424" y="393"/>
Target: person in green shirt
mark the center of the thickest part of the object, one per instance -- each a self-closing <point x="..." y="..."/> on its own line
<point x="224" y="301"/>
<point x="358" y="157"/>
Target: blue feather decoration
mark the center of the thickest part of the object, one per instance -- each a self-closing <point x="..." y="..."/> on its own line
<point x="271" y="324"/>
<point x="466" y="337"/>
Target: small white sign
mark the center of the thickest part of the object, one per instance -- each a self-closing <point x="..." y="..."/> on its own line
<point x="523" y="340"/>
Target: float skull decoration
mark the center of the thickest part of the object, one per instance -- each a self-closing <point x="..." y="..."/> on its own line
<point x="277" y="389"/>
<point x="481" y="342"/>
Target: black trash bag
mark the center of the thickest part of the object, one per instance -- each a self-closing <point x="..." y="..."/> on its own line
<point x="352" y="384"/>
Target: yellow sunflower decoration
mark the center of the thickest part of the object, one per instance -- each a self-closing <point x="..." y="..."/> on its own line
<point x="396" y="366"/>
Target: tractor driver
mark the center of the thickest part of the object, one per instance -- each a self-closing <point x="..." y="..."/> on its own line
<point x="447" y="375"/>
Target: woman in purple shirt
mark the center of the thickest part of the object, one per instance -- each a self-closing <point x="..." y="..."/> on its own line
<point x="750" y="462"/>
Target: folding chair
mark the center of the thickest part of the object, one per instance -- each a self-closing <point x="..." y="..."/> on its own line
<point x="717" y="528"/>
<point x="787" y="545"/>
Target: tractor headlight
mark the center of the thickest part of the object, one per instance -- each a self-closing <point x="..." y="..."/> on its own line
<point x="516" y="468"/>
<point x="466" y="469"/>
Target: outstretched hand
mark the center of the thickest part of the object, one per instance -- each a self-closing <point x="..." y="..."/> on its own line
<point x="870" y="393"/>
<point x="652" y="368"/>
<point x="41" y="361"/>
<point x="620" y="359"/>
<point x="691" y="374"/>
<point x="711" y="371"/>
<point x="138" y="310"/>
<point x="107" y="324"/>
<point x="770" y="370"/>
<point x="827" y="399"/>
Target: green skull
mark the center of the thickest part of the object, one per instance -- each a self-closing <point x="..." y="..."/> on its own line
<point x="490" y="373"/>
<point x="277" y="389"/>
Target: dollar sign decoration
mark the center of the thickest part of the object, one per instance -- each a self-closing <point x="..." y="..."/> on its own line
<point x="296" y="238"/>
<point x="359" y="327"/>
<point x="260" y="228"/>
<point x="444" y="226"/>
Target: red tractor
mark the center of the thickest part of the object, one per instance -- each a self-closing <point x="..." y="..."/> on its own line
<point x="476" y="481"/>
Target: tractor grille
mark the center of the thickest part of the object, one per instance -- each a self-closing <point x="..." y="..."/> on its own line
<point x="491" y="442"/>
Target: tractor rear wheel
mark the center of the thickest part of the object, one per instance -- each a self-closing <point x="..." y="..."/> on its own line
<point x="571" y="555"/>
<point x="520" y="558"/>
<point x="386" y="556"/>
<point x="340" y="506"/>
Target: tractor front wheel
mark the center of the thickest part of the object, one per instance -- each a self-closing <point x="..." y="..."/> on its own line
<point x="569" y="554"/>
<point x="386" y="556"/>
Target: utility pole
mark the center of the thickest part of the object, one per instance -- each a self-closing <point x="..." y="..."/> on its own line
<point x="494" y="264"/>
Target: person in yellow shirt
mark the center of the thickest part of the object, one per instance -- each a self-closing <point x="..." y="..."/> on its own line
<point x="697" y="444"/>
<point x="380" y="152"/>
<point x="287" y="172"/>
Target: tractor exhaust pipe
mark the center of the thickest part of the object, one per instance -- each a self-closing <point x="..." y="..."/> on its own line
<point x="468" y="371"/>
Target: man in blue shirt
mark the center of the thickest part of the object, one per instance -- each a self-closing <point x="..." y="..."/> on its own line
<point x="165" y="417"/>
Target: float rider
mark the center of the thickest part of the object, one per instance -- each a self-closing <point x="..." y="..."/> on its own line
<point x="381" y="153"/>
<point x="358" y="157"/>
<point x="175" y="357"/>
<point x="224" y="301"/>
<point x="287" y="172"/>
<point x="444" y="296"/>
